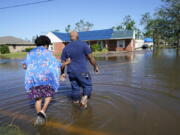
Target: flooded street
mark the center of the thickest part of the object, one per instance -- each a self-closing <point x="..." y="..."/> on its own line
<point x="135" y="94"/>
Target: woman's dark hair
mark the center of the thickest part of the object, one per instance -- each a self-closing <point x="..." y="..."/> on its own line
<point x="42" y="41"/>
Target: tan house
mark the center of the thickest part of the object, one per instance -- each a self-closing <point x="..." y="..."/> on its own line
<point x="15" y="44"/>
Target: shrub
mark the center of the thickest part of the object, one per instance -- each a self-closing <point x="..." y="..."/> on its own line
<point x="96" y="47"/>
<point x="28" y="49"/>
<point x="4" y="49"/>
<point x="104" y="50"/>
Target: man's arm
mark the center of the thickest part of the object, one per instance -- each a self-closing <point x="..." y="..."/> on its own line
<point x="62" y="70"/>
<point x="63" y="59"/>
<point x="93" y="62"/>
<point x="64" y="63"/>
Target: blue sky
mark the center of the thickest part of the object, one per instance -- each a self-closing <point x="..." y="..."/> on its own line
<point x="28" y="21"/>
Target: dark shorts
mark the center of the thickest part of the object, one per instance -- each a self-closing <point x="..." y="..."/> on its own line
<point x="41" y="91"/>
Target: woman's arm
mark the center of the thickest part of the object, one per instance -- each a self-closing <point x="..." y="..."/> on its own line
<point x="24" y="66"/>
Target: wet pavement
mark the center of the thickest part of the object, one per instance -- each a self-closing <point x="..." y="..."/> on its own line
<point x="135" y="94"/>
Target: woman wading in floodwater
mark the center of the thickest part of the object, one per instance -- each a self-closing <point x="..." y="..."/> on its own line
<point x="42" y="76"/>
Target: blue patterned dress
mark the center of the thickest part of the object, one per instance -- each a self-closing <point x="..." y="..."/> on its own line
<point x="43" y="73"/>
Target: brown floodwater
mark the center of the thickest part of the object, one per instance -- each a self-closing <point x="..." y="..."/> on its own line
<point x="137" y="93"/>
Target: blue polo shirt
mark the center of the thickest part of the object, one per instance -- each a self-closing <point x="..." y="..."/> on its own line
<point x="77" y="51"/>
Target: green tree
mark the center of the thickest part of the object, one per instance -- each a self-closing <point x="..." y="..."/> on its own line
<point x="83" y="26"/>
<point x="68" y="28"/>
<point x="129" y="24"/>
<point x="80" y="26"/>
<point x="169" y="13"/>
<point x="148" y="23"/>
<point x="165" y="25"/>
<point x="138" y="33"/>
<point x="153" y="27"/>
<point x="119" y="27"/>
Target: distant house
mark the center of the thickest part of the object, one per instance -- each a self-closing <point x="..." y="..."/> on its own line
<point x="108" y="38"/>
<point x="15" y="44"/>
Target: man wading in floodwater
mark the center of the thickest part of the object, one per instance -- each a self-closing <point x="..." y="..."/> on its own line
<point x="80" y="53"/>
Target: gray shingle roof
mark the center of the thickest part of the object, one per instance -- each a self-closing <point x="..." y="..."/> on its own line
<point x="9" y="40"/>
<point x="122" y="34"/>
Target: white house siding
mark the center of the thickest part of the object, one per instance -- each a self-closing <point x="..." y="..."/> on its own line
<point x="139" y="43"/>
<point x="54" y="39"/>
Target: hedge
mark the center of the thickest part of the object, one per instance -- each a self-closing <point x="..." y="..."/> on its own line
<point x="4" y="49"/>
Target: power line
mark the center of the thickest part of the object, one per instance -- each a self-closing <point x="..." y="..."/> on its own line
<point x="26" y="4"/>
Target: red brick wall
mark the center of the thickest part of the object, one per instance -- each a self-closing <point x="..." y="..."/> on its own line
<point x="119" y="49"/>
<point x="130" y="45"/>
<point x="112" y="46"/>
<point x="58" y="47"/>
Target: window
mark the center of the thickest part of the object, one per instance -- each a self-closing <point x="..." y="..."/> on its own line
<point x="121" y="43"/>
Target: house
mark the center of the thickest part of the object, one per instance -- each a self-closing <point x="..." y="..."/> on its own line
<point x="15" y="44"/>
<point x="108" y="38"/>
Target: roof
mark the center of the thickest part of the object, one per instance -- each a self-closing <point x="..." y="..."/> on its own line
<point x="148" y="40"/>
<point x="96" y="35"/>
<point x="122" y="34"/>
<point x="10" y="40"/>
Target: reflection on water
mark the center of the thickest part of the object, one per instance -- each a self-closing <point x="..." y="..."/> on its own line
<point x="135" y="94"/>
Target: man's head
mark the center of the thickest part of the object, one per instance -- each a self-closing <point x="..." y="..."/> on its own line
<point x="74" y="35"/>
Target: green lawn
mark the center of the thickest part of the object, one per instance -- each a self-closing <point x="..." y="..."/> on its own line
<point x="18" y="55"/>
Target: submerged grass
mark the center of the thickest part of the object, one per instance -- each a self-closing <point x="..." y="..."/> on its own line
<point x="102" y="53"/>
<point x="17" y="55"/>
<point x="11" y="130"/>
<point x="21" y="55"/>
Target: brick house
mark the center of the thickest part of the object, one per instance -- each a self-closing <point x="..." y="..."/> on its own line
<point x="108" y="38"/>
<point x="15" y="44"/>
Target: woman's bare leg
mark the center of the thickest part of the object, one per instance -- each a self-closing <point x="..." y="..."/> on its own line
<point x="47" y="101"/>
<point x="40" y="118"/>
<point x="38" y="105"/>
